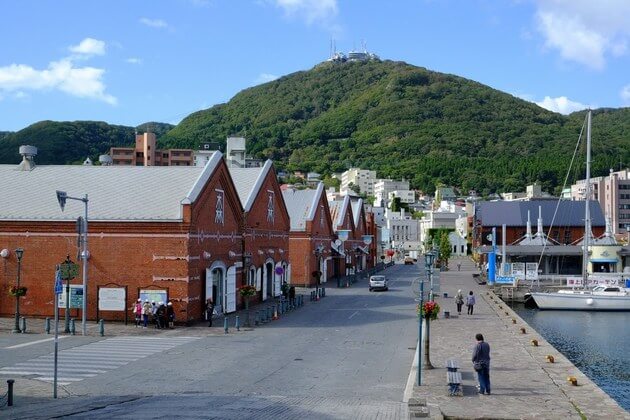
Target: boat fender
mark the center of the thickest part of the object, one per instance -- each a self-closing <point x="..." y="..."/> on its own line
<point x="589" y="301"/>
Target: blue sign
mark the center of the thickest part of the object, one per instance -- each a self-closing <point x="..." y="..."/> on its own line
<point x="504" y="280"/>
<point x="58" y="283"/>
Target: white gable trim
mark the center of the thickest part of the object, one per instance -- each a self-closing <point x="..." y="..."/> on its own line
<point x="203" y="178"/>
<point x="316" y="197"/>
<point x="342" y="214"/>
<point x="257" y="185"/>
<point x="357" y="214"/>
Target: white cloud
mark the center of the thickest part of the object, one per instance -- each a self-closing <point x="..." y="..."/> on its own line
<point x="561" y="104"/>
<point x="625" y="93"/>
<point x="134" y="60"/>
<point x="585" y="31"/>
<point x="154" y="23"/>
<point x="62" y="75"/>
<point x="265" y="77"/>
<point x="309" y="10"/>
<point x="89" y="46"/>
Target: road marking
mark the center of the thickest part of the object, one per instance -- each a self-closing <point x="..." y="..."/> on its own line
<point x="355" y="313"/>
<point x="88" y="360"/>
<point x="17" y="346"/>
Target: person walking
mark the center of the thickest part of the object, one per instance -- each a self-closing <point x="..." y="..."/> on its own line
<point x="160" y="314"/>
<point x="209" y="311"/>
<point x="459" y="266"/>
<point x="459" y="301"/>
<point x="154" y="309"/>
<point x="470" y="302"/>
<point x="481" y="364"/>
<point x="137" y="312"/>
<point x="146" y="313"/>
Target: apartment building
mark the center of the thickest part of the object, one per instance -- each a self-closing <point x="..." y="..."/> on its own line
<point x="363" y="178"/>
<point x="146" y="153"/>
<point x="384" y="188"/>
<point x="613" y="194"/>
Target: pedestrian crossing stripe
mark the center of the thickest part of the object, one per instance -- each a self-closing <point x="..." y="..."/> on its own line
<point x="89" y="360"/>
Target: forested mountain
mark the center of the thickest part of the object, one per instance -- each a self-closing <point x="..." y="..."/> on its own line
<point x="398" y="119"/>
<point x="406" y="121"/>
<point x="71" y="142"/>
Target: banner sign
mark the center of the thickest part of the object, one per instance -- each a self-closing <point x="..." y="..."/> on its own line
<point x="504" y="280"/>
<point x="532" y="271"/>
<point x="111" y="299"/>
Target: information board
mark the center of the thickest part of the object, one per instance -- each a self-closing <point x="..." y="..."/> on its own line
<point x="111" y="299"/>
<point x="154" y="295"/>
<point x="76" y="297"/>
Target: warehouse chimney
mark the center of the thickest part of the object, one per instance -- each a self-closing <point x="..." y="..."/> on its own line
<point x="28" y="158"/>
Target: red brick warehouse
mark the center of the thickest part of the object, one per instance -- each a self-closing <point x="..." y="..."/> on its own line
<point x="152" y="229"/>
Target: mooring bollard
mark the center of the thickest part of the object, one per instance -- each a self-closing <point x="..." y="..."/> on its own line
<point x="73" y="329"/>
<point x="447" y="314"/>
<point x="101" y="327"/>
<point x="10" y="392"/>
<point x="269" y="313"/>
<point x="323" y="292"/>
<point x="22" y="324"/>
<point x="47" y="325"/>
<point x="225" y="324"/>
<point x="445" y="294"/>
<point x="237" y="323"/>
<point x="256" y="318"/>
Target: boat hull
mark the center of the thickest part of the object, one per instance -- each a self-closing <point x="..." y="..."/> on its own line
<point x="581" y="302"/>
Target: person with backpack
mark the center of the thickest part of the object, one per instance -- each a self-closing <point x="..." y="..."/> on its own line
<point x="481" y="364"/>
<point x="160" y="314"/>
<point x="146" y="313"/>
<point x="170" y="315"/>
<point x="459" y="301"/>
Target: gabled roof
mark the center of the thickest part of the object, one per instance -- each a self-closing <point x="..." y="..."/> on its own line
<point x="514" y="213"/>
<point x="302" y="205"/>
<point x="248" y="182"/>
<point x="357" y="206"/>
<point x="338" y="209"/>
<point x="116" y="193"/>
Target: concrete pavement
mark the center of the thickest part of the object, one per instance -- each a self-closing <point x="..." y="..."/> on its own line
<point x="524" y="384"/>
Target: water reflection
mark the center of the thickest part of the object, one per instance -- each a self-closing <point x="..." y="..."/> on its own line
<point x="598" y="343"/>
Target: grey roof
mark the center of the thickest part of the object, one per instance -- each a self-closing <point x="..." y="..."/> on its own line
<point x="338" y="210"/>
<point x="116" y="193"/>
<point x="248" y="182"/>
<point x="301" y="205"/>
<point x="514" y="213"/>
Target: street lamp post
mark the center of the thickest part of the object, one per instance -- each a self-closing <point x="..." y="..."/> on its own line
<point x="421" y="299"/>
<point x="18" y="253"/>
<point x="62" y="196"/>
<point x="429" y="259"/>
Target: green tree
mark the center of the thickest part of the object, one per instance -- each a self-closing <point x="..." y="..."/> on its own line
<point x="444" y="247"/>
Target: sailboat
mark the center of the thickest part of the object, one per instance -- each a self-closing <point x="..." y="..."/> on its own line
<point x="598" y="298"/>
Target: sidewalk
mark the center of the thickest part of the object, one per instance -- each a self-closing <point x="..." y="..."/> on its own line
<point x="524" y="384"/>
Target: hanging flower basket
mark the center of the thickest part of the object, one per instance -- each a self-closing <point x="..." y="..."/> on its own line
<point x="429" y="310"/>
<point x="247" y="291"/>
<point x="17" y="291"/>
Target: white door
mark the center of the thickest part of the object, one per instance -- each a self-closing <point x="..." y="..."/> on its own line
<point x="230" y="290"/>
<point x="258" y="279"/>
<point x="264" y="282"/>
<point x="277" y="281"/>
<point x="324" y="270"/>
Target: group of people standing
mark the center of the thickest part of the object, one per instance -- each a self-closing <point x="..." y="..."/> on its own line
<point x="159" y="314"/>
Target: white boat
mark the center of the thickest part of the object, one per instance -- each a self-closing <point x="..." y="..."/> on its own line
<point x="599" y="298"/>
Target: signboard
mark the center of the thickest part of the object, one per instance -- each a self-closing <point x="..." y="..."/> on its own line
<point x="69" y="270"/>
<point x="594" y="280"/>
<point x="154" y="295"/>
<point x="504" y="280"/>
<point x="111" y="299"/>
<point x="532" y="271"/>
<point x="518" y="270"/>
<point x="76" y="297"/>
<point x="58" y="283"/>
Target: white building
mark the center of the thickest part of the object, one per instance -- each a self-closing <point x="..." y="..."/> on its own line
<point x="203" y="155"/>
<point x="404" y="232"/>
<point x="532" y="192"/>
<point x="235" y="154"/>
<point x="384" y="187"/>
<point x="445" y="216"/>
<point x="363" y="178"/>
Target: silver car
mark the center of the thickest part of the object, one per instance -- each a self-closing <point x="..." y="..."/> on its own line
<point x="378" y="283"/>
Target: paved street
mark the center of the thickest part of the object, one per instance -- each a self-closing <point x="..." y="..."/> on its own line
<point x="346" y="356"/>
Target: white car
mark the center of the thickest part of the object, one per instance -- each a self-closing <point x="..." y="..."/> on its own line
<point x="378" y="282"/>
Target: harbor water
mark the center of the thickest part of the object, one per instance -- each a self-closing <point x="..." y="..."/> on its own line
<point x="598" y="343"/>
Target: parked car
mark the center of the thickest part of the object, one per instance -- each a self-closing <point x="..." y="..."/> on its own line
<point x="378" y="283"/>
<point x="409" y="260"/>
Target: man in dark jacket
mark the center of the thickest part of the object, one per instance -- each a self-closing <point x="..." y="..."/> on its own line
<point x="481" y="363"/>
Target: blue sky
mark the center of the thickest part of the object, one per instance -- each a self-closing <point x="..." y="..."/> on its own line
<point x="128" y="62"/>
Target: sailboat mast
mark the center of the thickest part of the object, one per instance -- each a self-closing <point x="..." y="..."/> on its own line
<point x="587" y="211"/>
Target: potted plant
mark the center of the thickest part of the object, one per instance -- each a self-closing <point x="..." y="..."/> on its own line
<point x="17" y="291"/>
<point x="246" y="292"/>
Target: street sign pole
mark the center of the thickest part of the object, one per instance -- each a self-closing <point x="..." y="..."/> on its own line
<point x="58" y="291"/>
